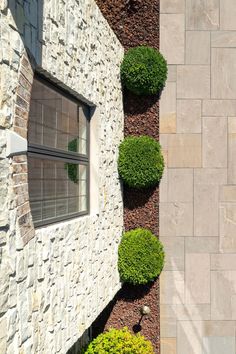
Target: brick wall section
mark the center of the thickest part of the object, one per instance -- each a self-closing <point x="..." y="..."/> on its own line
<point x="19" y="170"/>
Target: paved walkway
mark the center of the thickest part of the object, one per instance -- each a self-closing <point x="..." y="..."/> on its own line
<point x="198" y="191"/>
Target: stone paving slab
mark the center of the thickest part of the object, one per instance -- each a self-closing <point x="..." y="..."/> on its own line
<point x="198" y="189"/>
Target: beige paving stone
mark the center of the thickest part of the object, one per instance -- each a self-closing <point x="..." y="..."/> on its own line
<point x="214" y="142"/>
<point x="197" y="278"/>
<point x="218" y="329"/>
<point x="233" y="306"/>
<point x="184" y="150"/>
<point x="223" y="286"/>
<point x="223" y="261"/>
<point x="168" y="327"/>
<point x="206" y="197"/>
<point x="225" y="39"/>
<point x="223" y="81"/>
<point x="186" y="312"/>
<point x="172" y="73"/>
<point x="198" y="222"/>
<point x="218" y="345"/>
<point x="174" y="251"/>
<point x="164" y="147"/>
<point x="168" y="345"/>
<point x="172" y="287"/>
<point x="198" y="49"/>
<point x="232" y="125"/>
<point x="210" y="176"/>
<point x="219" y="108"/>
<point x="172" y="6"/>
<point x="227" y="213"/>
<point x="227" y="15"/>
<point x="193" y="312"/>
<point x="180" y="185"/>
<point x="176" y="219"/>
<point x="164" y="187"/>
<point x="202" y="14"/>
<point x="193" y="81"/>
<point x="201" y="244"/>
<point x="168" y="109"/>
<point x="189" y="337"/>
<point x="173" y="37"/>
<point x="168" y="311"/>
<point x="231" y="150"/>
<point x="188" y="116"/>
<point x="231" y="159"/>
<point x="206" y="219"/>
<point x="228" y="193"/>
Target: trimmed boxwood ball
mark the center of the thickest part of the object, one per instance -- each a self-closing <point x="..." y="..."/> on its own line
<point x="119" y="341"/>
<point x="140" y="162"/>
<point x="141" y="257"/>
<point x="144" y="71"/>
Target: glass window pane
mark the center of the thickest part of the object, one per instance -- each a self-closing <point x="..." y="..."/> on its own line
<point x="49" y="209"/>
<point x="83" y="203"/>
<point x="36" y="210"/>
<point x="57" y="188"/>
<point x="56" y="121"/>
<point x="73" y="205"/>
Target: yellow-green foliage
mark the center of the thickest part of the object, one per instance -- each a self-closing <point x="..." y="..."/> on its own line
<point x="119" y="341"/>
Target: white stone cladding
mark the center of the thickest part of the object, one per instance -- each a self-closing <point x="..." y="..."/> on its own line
<point x="53" y="286"/>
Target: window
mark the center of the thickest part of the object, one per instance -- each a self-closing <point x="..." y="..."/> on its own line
<point x="58" y="155"/>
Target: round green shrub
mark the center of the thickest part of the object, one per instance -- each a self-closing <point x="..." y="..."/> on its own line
<point x="144" y="71"/>
<point x="141" y="257"/>
<point x="119" y="341"/>
<point x="140" y="162"/>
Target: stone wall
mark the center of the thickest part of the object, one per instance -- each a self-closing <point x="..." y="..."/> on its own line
<point x="54" y="281"/>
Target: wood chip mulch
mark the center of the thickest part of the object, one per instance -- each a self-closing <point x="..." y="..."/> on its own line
<point x="136" y="22"/>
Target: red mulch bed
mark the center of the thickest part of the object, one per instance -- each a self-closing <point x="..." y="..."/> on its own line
<point x="136" y="22"/>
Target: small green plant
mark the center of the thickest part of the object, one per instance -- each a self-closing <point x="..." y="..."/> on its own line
<point x="72" y="168"/>
<point x="119" y="341"/>
<point x="144" y="71"/>
<point x="141" y="257"/>
<point x="140" y="162"/>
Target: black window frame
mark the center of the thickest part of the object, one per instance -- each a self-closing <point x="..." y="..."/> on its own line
<point x="45" y="152"/>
